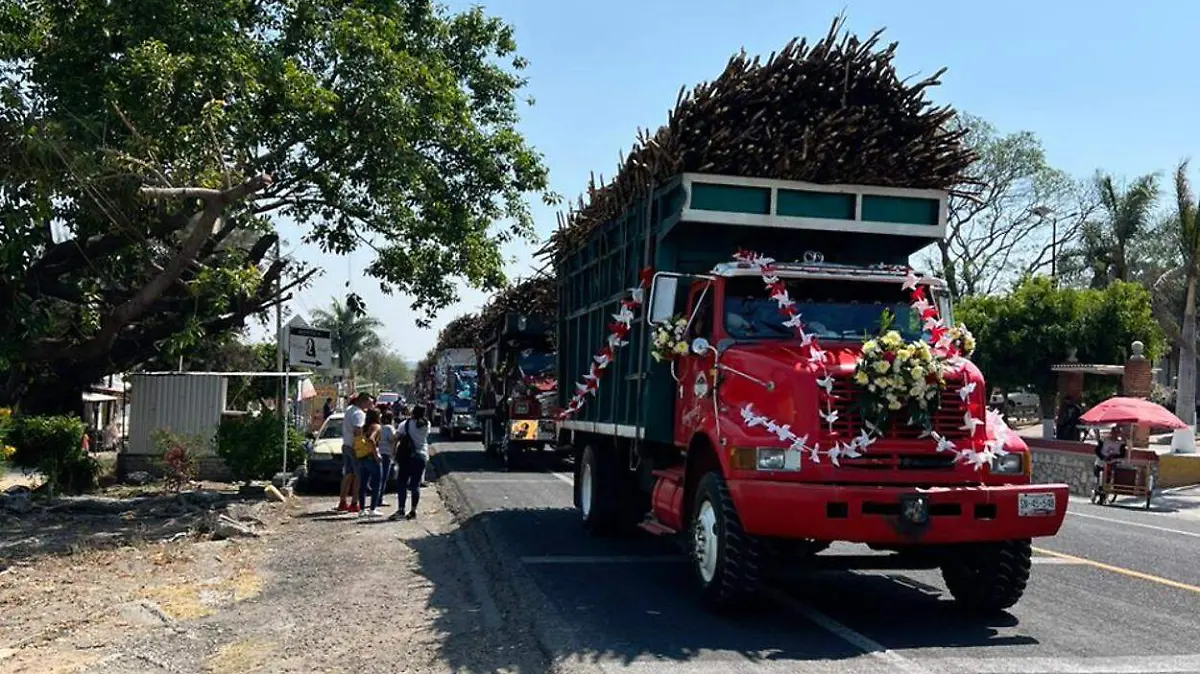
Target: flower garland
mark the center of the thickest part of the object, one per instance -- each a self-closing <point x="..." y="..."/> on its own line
<point x="618" y="331"/>
<point x="944" y="344"/>
<point x="668" y="341"/>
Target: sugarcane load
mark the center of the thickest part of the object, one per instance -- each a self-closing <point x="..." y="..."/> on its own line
<point x="747" y="362"/>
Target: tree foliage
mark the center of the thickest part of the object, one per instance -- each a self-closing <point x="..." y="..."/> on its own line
<point x="384" y="366"/>
<point x="388" y="123"/>
<point x="1011" y="216"/>
<point x="352" y="332"/>
<point x="1022" y="334"/>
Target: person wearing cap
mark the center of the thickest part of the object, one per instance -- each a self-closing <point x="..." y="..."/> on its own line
<point x="354" y="419"/>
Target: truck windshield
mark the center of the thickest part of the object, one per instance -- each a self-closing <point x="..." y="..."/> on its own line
<point x="831" y="309"/>
<point x="535" y="363"/>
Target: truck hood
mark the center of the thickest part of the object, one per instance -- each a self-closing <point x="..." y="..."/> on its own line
<point x="794" y="399"/>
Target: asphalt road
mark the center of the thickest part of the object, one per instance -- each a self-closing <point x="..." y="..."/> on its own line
<point x="1118" y="590"/>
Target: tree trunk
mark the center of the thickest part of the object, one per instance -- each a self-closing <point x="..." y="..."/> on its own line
<point x="1185" y="400"/>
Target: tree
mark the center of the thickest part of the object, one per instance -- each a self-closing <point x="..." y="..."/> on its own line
<point x="384" y="366"/>
<point x="351" y="332"/>
<point x="1187" y="237"/>
<point x="1001" y="221"/>
<point x="1022" y="334"/>
<point x="1107" y="248"/>
<point x="389" y="124"/>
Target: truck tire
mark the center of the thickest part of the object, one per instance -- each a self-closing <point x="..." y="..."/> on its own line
<point x="725" y="559"/>
<point x="597" y="493"/>
<point x="989" y="577"/>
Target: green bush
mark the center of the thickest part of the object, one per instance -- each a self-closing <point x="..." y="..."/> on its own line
<point x="252" y="446"/>
<point x="53" y="446"/>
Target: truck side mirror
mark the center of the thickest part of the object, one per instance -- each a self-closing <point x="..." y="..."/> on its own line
<point x="662" y="298"/>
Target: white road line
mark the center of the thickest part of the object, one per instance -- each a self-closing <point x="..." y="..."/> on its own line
<point x="1125" y="664"/>
<point x="604" y="559"/>
<point x="860" y="641"/>
<point x="565" y="478"/>
<point x="1152" y="527"/>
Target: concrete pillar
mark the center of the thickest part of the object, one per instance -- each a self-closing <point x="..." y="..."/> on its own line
<point x="1069" y="384"/>
<point x="1136" y="383"/>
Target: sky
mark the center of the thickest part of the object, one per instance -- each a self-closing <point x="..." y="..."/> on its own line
<point x="1105" y="85"/>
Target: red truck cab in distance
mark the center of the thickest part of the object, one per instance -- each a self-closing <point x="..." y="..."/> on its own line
<point x="665" y="446"/>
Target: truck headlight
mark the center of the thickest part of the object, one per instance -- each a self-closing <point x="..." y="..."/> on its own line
<point x="771" y="459"/>
<point x="1009" y="464"/>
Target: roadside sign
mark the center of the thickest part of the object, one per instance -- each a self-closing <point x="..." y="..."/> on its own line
<point x="310" y="346"/>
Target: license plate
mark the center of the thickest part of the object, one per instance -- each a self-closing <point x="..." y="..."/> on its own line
<point x="1036" y="505"/>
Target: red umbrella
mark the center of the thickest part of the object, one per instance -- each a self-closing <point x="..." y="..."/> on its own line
<point x="1132" y="411"/>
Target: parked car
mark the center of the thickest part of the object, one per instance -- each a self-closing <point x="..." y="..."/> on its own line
<point x="1019" y="404"/>
<point x="323" y="465"/>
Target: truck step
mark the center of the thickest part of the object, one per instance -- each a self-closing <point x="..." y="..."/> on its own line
<point x="657" y="528"/>
<point x="672" y="475"/>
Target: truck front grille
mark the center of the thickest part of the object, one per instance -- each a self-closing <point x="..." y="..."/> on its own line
<point x="947" y="421"/>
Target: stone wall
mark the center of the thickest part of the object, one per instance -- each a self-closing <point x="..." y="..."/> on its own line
<point x="1072" y="468"/>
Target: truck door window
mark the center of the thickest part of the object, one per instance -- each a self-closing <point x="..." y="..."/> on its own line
<point x="702" y="323"/>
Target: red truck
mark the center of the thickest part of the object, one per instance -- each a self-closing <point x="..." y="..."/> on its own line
<point x="756" y="439"/>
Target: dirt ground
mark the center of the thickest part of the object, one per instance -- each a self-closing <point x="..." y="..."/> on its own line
<point x="126" y="586"/>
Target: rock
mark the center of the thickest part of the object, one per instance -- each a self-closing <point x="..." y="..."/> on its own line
<point x="223" y="526"/>
<point x="138" y="477"/>
<point x="144" y="613"/>
<point x="274" y="494"/>
<point x="245" y="512"/>
<point x="18" y="503"/>
<point x="283" y="480"/>
<point x="18" y="489"/>
<point x="252" y="490"/>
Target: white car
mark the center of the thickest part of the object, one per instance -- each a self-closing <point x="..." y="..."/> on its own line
<point x="1022" y="404"/>
<point x="323" y="466"/>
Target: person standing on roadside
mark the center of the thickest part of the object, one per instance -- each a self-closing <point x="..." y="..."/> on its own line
<point x="412" y="455"/>
<point x="387" y="449"/>
<point x="368" y="458"/>
<point x="352" y="427"/>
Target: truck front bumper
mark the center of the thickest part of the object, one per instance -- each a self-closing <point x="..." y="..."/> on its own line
<point x="900" y="515"/>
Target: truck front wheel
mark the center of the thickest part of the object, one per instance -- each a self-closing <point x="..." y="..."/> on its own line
<point x="595" y="493"/>
<point x="989" y="577"/>
<point x="724" y="557"/>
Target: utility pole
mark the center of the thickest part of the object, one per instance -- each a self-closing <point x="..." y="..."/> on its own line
<point x="281" y="343"/>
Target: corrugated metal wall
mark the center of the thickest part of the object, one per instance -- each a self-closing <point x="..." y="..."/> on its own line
<point x="183" y="404"/>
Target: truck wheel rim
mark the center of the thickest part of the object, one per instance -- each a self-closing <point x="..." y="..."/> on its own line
<point x="585" y="491"/>
<point x="705" y="538"/>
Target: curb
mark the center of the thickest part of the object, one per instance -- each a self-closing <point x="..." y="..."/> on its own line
<point x="557" y="643"/>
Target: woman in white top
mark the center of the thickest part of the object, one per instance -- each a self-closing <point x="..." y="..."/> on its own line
<point x="411" y="455"/>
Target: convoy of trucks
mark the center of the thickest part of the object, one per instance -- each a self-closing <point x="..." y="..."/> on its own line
<point x="759" y="409"/>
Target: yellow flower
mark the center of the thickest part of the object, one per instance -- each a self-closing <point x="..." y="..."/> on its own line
<point x="917" y="372"/>
<point x="681" y="348"/>
<point x="6" y="452"/>
<point x="870" y="346"/>
<point x="881" y="366"/>
<point x="892" y="339"/>
<point x="5" y="413"/>
<point x="861" y="377"/>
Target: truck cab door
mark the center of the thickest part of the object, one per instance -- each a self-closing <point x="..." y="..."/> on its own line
<point x="694" y="388"/>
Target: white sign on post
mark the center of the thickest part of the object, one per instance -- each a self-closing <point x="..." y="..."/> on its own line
<point x="310" y="346"/>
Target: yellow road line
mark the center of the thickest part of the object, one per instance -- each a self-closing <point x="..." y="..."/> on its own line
<point x="1121" y="570"/>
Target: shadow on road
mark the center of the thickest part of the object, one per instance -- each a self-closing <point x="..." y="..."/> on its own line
<point x="549" y="579"/>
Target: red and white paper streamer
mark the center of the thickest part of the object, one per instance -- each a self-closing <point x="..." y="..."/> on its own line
<point x="618" y="333"/>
